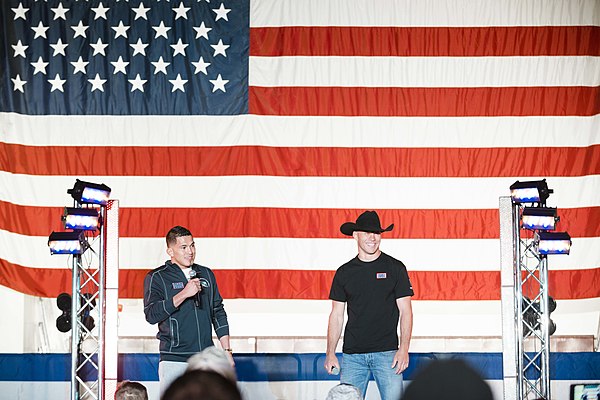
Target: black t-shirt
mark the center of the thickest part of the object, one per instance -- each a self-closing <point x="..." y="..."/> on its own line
<point x="370" y="290"/>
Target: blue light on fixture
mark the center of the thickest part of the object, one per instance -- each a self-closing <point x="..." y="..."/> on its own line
<point x="554" y="242"/>
<point x="86" y="219"/>
<point x="66" y="242"/>
<point x="530" y="192"/>
<point x="90" y="193"/>
<point x="539" y="218"/>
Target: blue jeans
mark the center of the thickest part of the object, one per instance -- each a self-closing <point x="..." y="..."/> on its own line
<point x="356" y="369"/>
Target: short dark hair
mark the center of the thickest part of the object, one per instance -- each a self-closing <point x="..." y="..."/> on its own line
<point x="127" y="390"/>
<point x="175" y="232"/>
<point x="202" y="385"/>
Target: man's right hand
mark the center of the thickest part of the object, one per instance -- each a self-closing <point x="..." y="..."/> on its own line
<point x="190" y="289"/>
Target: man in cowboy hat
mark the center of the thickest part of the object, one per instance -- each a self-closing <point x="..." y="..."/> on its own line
<point x="377" y="290"/>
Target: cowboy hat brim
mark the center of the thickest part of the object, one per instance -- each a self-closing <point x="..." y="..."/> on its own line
<point x="349" y="228"/>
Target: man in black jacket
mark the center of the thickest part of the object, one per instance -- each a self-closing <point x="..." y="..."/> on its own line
<point x="183" y="298"/>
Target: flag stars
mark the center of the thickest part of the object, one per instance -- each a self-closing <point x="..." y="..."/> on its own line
<point x="139" y="47"/>
<point x="60" y="12"/>
<point x="40" y="30"/>
<point x="219" y="83"/>
<point x="79" y="65"/>
<point x="220" y="48"/>
<point x="137" y="84"/>
<point x="160" y="66"/>
<point x="179" y="48"/>
<point x="120" y="66"/>
<point x="39" y="66"/>
<point x="20" y="12"/>
<point x="100" y="11"/>
<point x="18" y="84"/>
<point x="181" y="11"/>
<point x="141" y="11"/>
<point x="202" y="31"/>
<point x="221" y="12"/>
<point x="97" y="83"/>
<point x="161" y="30"/>
<point x="79" y="30"/>
<point x="120" y="30"/>
<point x="59" y="48"/>
<point x="57" y="83"/>
<point x="200" y="66"/>
<point x="178" y="83"/>
<point x="19" y="49"/>
<point x="99" y="47"/>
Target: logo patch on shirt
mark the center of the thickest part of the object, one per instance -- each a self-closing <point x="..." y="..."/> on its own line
<point x="381" y="275"/>
<point x="178" y="285"/>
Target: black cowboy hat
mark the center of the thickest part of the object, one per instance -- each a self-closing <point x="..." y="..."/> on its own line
<point x="366" y="222"/>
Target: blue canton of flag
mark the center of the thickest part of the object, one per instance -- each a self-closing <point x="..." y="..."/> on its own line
<point x="381" y="275"/>
<point x="125" y="57"/>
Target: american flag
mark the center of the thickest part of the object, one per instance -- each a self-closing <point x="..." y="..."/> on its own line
<point x="263" y="125"/>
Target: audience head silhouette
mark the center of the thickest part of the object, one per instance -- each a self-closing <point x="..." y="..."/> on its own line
<point x="344" y="391"/>
<point x="127" y="390"/>
<point x="202" y="385"/>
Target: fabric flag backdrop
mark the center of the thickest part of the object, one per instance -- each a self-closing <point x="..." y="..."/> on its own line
<point x="264" y="125"/>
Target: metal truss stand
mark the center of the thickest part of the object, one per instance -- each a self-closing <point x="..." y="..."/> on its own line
<point x="92" y="361"/>
<point x="525" y="309"/>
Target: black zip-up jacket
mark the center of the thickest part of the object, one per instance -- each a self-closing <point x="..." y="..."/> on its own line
<point x="185" y="330"/>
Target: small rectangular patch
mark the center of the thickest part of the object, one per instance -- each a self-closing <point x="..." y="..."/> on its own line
<point x="381" y="275"/>
<point x="178" y="285"/>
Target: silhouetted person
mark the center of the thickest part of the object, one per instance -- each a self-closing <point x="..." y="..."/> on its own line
<point x="202" y="385"/>
<point x="344" y="391"/>
<point x="127" y="390"/>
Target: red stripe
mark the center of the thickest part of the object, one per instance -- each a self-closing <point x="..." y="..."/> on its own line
<point x="293" y="222"/>
<point x="425" y="41"/>
<point x="309" y="285"/>
<point x="300" y="161"/>
<point x="425" y="102"/>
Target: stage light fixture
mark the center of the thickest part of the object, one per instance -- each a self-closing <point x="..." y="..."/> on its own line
<point x="539" y="218"/>
<point x="63" y="322"/>
<point x="86" y="219"/>
<point x="530" y="192"/>
<point x="67" y="242"/>
<point x="553" y="242"/>
<point x="90" y="193"/>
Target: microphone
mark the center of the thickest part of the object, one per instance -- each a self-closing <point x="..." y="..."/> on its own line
<point x="197" y="296"/>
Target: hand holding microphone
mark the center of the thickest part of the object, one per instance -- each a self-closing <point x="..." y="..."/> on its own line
<point x="198" y="295"/>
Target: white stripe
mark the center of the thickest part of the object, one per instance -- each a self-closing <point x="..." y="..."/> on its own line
<point x="427" y="72"/>
<point x="423" y="13"/>
<point x="304" y="254"/>
<point x="155" y="130"/>
<point x="298" y="192"/>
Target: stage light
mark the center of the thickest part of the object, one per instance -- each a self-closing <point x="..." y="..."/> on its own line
<point x="541" y="218"/>
<point x="530" y="192"/>
<point x="66" y="242"/>
<point x="63" y="322"/>
<point x="553" y="242"/>
<point x="532" y="314"/>
<point x="90" y="193"/>
<point x="86" y="219"/>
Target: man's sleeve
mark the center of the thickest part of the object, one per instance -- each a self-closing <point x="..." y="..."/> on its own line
<point x="404" y="287"/>
<point x="157" y="307"/>
<point x="337" y="291"/>
<point x="219" y="316"/>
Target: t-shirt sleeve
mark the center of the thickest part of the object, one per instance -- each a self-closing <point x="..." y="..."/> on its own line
<point x="404" y="287"/>
<point x="337" y="292"/>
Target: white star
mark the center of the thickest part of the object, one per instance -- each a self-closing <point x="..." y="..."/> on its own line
<point x="137" y="83"/>
<point x="178" y="83"/>
<point x="181" y="11"/>
<point x="40" y="66"/>
<point x="161" y="30"/>
<point x="221" y="12"/>
<point x="179" y="48"/>
<point x="99" y="47"/>
<point x="219" y="83"/>
<point x="59" y="47"/>
<point x="20" y="13"/>
<point x="60" y="12"/>
<point x="139" y="47"/>
<point x="121" y="30"/>
<point x="40" y="31"/>
<point x="19" y="49"/>
<point x="220" y="48"/>
<point x="18" y="83"/>
<point x="160" y="66"/>
<point x="200" y="66"/>
<point x="97" y="83"/>
<point x="79" y="30"/>
<point x="202" y="31"/>
<point x="100" y="11"/>
<point x="141" y="11"/>
<point x="57" y="83"/>
<point x="120" y="66"/>
<point x="79" y="65"/>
